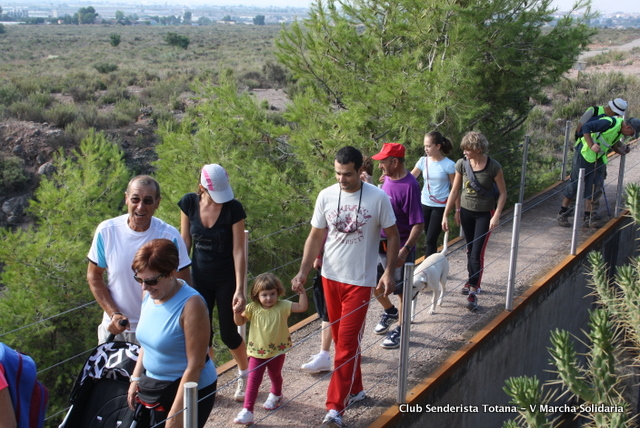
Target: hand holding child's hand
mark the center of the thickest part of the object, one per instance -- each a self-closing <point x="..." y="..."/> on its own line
<point x="238" y="308"/>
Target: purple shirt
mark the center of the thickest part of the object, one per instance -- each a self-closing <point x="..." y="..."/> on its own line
<point x="404" y="195"/>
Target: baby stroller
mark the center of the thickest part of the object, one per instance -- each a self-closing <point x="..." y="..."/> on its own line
<point x="99" y="396"/>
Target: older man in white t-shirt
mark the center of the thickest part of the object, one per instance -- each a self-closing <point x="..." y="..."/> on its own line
<point x="114" y="245"/>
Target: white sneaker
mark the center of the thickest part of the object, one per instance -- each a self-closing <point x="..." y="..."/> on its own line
<point x="239" y="395"/>
<point x="245" y="417"/>
<point x="317" y="364"/>
<point x="354" y="398"/>
<point x="333" y="419"/>
<point x="273" y="401"/>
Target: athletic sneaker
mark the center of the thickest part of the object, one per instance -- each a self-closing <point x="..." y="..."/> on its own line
<point x="273" y="401"/>
<point x="472" y="302"/>
<point x="465" y="289"/>
<point x="354" y="398"/>
<point x="317" y="364"/>
<point x="245" y="417"/>
<point x="239" y="395"/>
<point x="393" y="339"/>
<point x="332" y="419"/>
<point x="385" y="322"/>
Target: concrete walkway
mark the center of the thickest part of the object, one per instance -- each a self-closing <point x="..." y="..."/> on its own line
<point x="433" y="337"/>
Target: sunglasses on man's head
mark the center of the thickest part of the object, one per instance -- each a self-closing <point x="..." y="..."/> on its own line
<point x="150" y="282"/>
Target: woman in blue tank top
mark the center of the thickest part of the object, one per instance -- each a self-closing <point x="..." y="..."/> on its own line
<point x="174" y="339"/>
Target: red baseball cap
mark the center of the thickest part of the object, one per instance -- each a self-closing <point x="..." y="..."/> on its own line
<point x="395" y="150"/>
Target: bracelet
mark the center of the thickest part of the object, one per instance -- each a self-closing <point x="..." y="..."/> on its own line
<point x="135" y="379"/>
<point x="407" y="247"/>
<point x="116" y="313"/>
<point x="458" y="210"/>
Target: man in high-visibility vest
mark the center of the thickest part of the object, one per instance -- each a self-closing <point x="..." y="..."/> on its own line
<point x="600" y="136"/>
<point x="616" y="107"/>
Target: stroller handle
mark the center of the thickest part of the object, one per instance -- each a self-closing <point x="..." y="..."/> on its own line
<point x="112" y="336"/>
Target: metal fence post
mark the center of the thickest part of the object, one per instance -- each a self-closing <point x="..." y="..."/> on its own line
<point x="620" y="190"/>
<point x="513" y="259"/>
<point x="577" y="212"/>
<point x="523" y="176"/>
<point x="242" y="329"/>
<point x="403" y="368"/>
<point x="565" y="154"/>
<point x="190" y="419"/>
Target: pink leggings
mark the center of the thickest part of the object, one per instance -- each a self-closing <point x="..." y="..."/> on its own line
<point x="257" y="367"/>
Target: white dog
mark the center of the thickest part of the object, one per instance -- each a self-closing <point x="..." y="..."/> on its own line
<point x="432" y="275"/>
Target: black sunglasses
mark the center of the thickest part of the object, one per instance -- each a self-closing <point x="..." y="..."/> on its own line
<point x="135" y="200"/>
<point x="149" y="282"/>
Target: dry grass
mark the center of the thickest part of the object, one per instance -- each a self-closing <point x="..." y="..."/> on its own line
<point x="79" y="61"/>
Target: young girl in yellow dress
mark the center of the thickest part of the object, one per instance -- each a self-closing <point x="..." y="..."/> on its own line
<point x="269" y="339"/>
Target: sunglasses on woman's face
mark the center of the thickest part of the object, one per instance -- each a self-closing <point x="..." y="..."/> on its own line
<point x="150" y="282"/>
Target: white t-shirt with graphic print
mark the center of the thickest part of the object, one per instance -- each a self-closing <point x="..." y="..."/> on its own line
<point x="351" y="248"/>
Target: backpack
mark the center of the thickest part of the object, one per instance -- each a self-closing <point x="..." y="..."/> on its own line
<point x="29" y="396"/>
<point x="475" y="184"/>
<point x="598" y="112"/>
<point x="579" y="134"/>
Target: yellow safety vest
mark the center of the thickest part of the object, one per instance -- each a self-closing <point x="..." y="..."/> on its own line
<point x="605" y="140"/>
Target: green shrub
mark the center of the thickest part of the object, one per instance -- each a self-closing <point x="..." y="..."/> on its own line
<point x="12" y="174"/>
<point x="40" y="99"/>
<point x="125" y="113"/>
<point x="251" y="83"/>
<point x="27" y="84"/>
<point x="114" y="39"/>
<point x="114" y="95"/>
<point x="24" y="110"/>
<point x="176" y="40"/>
<point x="76" y="132"/>
<point x="163" y="91"/>
<point x="9" y="93"/>
<point x="613" y="56"/>
<point x="105" y="67"/>
<point x="276" y="74"/>
<point x="61" y="115"/>
<point x="252" y="79"/>
<point x="88" y="117"/>
<point x="81" y="94"/>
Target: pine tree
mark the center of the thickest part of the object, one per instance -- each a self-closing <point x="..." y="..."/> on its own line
<point x="45" y="265"/>
<point x="397" y="69"/>
<point x="229" y="128"/>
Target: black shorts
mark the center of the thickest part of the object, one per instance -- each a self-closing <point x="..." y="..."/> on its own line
<point x="399" y="272"/>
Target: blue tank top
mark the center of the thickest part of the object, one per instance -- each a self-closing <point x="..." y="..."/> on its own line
<point x="162" y="338"/>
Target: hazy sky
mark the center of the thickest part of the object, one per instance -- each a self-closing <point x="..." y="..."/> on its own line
<point x="606" y="6"/>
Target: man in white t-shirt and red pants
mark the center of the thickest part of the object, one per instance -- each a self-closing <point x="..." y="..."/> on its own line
<point x="350" y="214"/>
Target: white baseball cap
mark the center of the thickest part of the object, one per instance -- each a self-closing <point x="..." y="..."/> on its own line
<point x="215" y="179"/>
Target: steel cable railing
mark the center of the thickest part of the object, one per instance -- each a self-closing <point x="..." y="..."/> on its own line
<point x="521" y="269"/>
